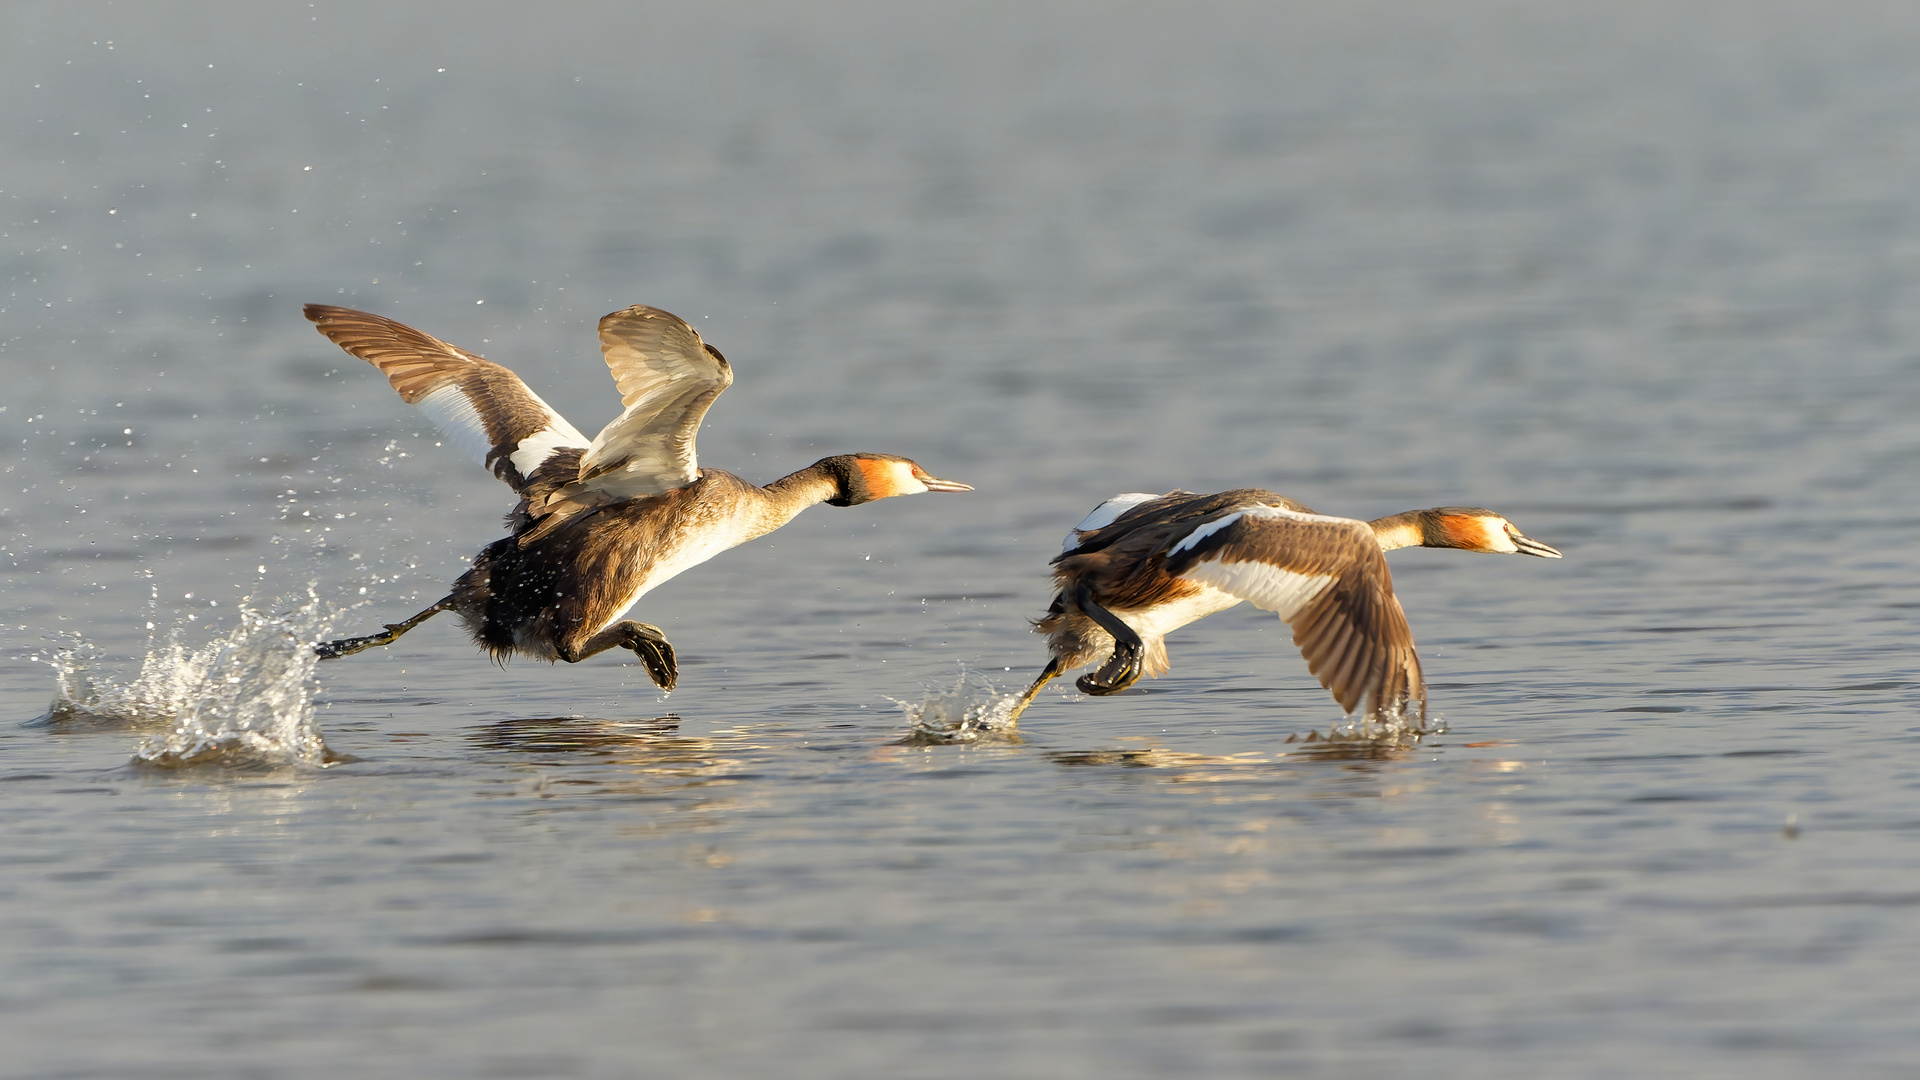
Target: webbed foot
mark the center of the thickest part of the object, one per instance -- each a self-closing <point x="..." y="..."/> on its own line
<point x="1121" y="670"/>
<point x="328" y="650"/>
<point x="333" y="650"/>
<point x="655" y="653"/>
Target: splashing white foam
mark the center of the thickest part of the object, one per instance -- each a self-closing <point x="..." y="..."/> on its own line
<point x="973" y="710"/>
<point x="1396" y="729"/>
<point x="244" y="700"/>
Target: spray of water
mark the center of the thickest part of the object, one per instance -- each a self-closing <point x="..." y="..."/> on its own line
<point x="973" y="710"/>
<point x="970" y="711"/>
<point x="244" y="700"/>
<point x="1394" y="731"/>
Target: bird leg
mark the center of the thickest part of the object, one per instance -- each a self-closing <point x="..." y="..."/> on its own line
<point x="646" y="641"/>
<point x="1122" y="669"/>
<point x="1046" y="676"/>
<point x="329" y="650"/>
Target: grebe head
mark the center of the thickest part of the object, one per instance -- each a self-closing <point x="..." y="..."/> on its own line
<point x="865" y="477"/>
<point x="1475" y="529"/>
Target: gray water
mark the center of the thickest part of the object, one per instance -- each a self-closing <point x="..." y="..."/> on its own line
<point x="1642" y="277"/>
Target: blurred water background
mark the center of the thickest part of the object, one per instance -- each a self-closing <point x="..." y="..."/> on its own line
<point x="1640" y="276"/>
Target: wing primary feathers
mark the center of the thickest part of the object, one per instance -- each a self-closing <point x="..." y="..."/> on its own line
<point x="1336" y="674"/>
<point x="481" y="407"/>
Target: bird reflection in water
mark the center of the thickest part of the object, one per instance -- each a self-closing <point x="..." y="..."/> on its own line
<point x="1312" y="747"/>
<point x="652" y="758"/>
<point x="579" y="735"/>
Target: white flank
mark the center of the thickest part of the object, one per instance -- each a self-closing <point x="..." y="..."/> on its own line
<point x="1104" y="515"/>
<point x="459" y="421"/>
<point x="1282" y="592"/>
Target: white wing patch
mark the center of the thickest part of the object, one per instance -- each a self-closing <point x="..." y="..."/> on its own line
<point x="539" y="446"/>
<point x="1162" y="619"/>
<point x="1283" y="592"/>
<point x="1274" y="588"/>
<point x="1217" y="524"/>
<point x="459" y="421"/>
<point x="1205" y="531"/>
<point x="454" y="414"/>
<point x="1283" y="512"/>
<point x="1104" y="515"/>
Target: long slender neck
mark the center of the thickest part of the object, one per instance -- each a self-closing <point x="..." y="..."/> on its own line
<point x="1401" y="530"/>
<point x="783" y="499"/>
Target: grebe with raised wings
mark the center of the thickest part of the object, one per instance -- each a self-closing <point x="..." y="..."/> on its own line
<point x="1140" y="566"/>
<point x="603" y="520"/>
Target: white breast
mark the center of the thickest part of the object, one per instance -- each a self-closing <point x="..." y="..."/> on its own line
<point x="701" y="541"/>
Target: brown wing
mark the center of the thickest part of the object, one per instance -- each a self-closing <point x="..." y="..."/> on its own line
<point x="1357" y="641"/>
<point x="478" y="405"/>
<point x="1326" y="578"/>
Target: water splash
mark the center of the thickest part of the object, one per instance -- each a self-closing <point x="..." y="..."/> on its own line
<point x="1397" y="731"/>
<point x="244" y="700"/>
<point x="973" y="710"/>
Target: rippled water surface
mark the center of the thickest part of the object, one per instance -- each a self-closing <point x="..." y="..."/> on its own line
<point x="1642" y="277"/>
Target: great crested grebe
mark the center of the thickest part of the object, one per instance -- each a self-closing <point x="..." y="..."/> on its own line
<point x="1140" y="566"/>
<point x="602" y="520"/>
